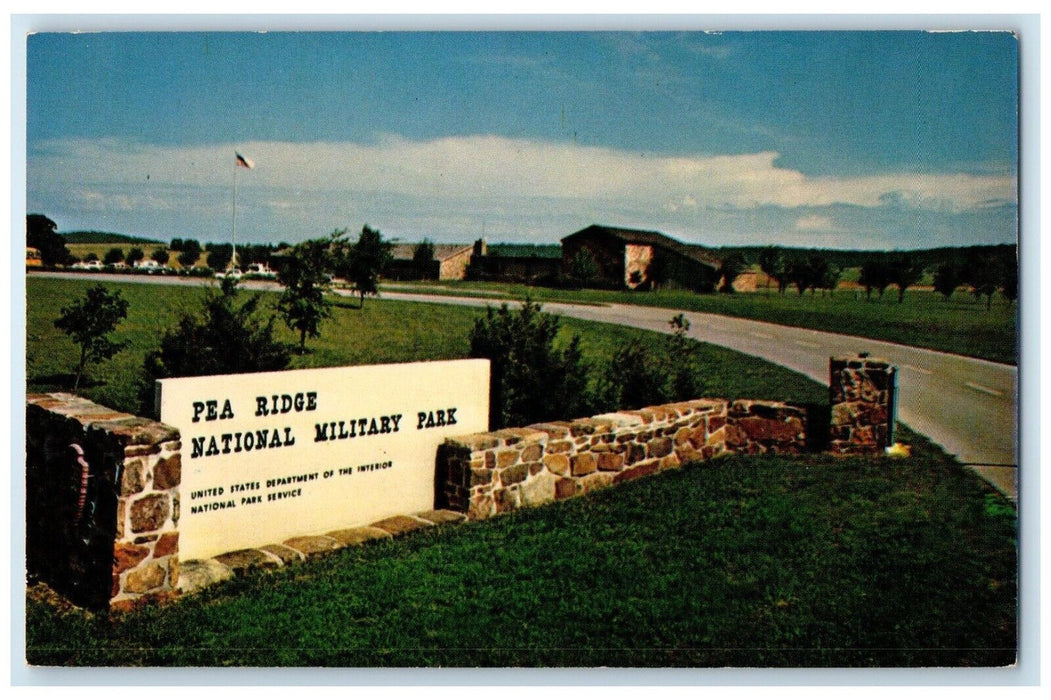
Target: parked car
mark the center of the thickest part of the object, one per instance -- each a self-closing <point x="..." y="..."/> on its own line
<point x="88" y="265"/>
<point x="233" y="273"/>
<point x="260" y="271"/>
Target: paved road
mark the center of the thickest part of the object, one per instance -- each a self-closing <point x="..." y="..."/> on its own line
<point x="967" y="406"/>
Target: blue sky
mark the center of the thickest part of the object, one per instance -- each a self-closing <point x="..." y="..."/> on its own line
<point x="876" y="140"/>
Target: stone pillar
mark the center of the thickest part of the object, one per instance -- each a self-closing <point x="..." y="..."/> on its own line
<point x="862" y="398"/>
<point x="102" y="502"/>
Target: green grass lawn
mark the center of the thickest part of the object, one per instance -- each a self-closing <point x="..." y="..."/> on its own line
<point x="961" y="325"/>
<point x="771" y="561"/>
<point x="383" y="331"/>
<point x="746" y="562"/>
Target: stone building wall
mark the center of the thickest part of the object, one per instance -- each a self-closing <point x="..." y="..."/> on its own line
<point x="496" y="472"/>
<point x="637" y="259"/>
<point x="102" y="501"/>
<point x="861" y="396"/>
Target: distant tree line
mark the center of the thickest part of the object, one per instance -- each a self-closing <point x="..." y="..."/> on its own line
<point x="983" y="269"/>
<point x="101" y="237"/>
<point x="811" y="271"/>
<point x="525" y="250"/>
<point x="983" y="272"/>
<point x="929" y="258"/>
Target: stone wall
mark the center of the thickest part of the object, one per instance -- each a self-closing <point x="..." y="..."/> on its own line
<point x="490" y="473"/>
<point x="861" y="396"/>
<point x="102" y="501"/>
<point x="102" y="487"/>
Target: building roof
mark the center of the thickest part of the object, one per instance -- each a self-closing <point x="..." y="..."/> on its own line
<point x="652" y="238"/>
<point x="442" y="251"/>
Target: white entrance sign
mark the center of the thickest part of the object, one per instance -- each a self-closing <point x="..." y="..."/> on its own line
<point x="274" y="455"/>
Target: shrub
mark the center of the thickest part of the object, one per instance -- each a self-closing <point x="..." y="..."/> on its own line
<point x="226" y="337"/>
<point x="532" y="378"/>
<point x="637" y="377"/>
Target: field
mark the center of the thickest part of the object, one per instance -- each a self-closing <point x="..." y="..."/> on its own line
<point x="383" y="331"/>
<point x="776" y="561"/>
<point x="82" y="250"/>
<point x="961" y="325"/>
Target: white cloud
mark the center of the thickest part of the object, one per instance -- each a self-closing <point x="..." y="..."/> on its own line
<point x="815" y="222"/>
<point x="492" y="166"/>
<point x="447" y="188"/>
<point x="99" y="201"/>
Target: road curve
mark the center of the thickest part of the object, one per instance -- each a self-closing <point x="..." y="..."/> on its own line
<point x="966" y="405"/>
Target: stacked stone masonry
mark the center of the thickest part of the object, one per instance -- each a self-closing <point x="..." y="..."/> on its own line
<point x="861" y="396"/>
<point x="102" y="487"/>
<point x="102" y="501"/>
<point x="486" y="474"/>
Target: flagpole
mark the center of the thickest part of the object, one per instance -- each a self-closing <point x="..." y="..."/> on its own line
<point x="233" y="225"/>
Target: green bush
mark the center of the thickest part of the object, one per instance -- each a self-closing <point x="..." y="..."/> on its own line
<point x="532" y="379"/>
<point x="639" y="375"/>
<point x="225" y="338"/>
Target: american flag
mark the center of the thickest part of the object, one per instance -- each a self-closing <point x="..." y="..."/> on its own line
<point x="243" y="162"/>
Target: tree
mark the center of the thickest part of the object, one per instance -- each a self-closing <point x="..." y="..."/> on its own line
<point x="226" y="337"/>
<point x="904" y="272"/>
<point x="160" y="256"/>
<point x="982" y="271"/>
<point x="89" y="322"/>
<point x="423" y="260"/>
<point x="1009" y="280"/>
<point x="732" y="267"/>
<point x="188" y="258"/>
<point x="532" y="378"/>
<point x="772" y="262"/>
<point x="91" y="257"/>
<point x="135" y="255"/>
<point x="875" y="274"/>
<point x="813" y="272"/>
<point x="947" y="277"/>
<point x="41" y="234"/>
<point x="176" y="245"/>
<point x="829" y="277"/>
<point x="582" y="268"/>
<point x="305" y="277"/>
<point x="799" y="274"/>
<point x="219" y="256"/>
<point x="366" y="261"/>
<point x="113" y="256"/>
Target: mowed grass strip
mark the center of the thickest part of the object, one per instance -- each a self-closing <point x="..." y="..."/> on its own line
<point x="961" y="325"/>
<point x="744" y="562"/>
